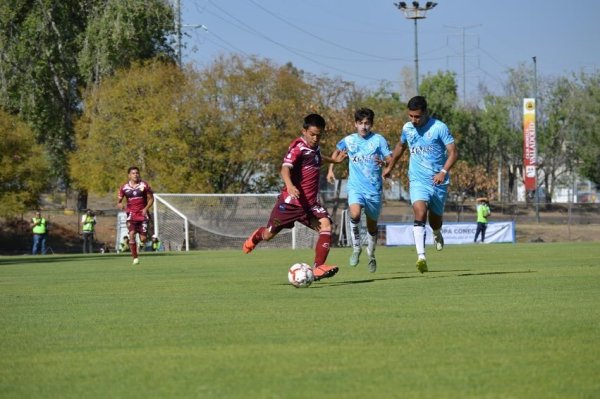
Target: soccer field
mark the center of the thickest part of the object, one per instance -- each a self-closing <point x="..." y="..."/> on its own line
<point x="487" y="321"/>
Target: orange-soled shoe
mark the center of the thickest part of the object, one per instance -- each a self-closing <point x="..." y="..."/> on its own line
<point x="249" y="245"/>
<point x="324" y="271"/>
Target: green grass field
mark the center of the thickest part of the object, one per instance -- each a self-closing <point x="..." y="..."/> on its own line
<point x="487" y="321"/>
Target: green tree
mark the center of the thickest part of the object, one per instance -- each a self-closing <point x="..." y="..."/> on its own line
<point x="560" y="151"/>
<point x="134" y="119"/>
<point x="586" y="125"/>
<point x="23" y="167"/>
<point x="223" y="129"/>
<point x="440" y="90"/>
<point x="120" y="32"/>
<point x="504" y="142"/>
<point x="247" y="112"/>
<point x="50" y="49"/>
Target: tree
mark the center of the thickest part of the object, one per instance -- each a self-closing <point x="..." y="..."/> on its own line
<point x="559" y="135"/>
<point x="440" y="89"/>
<point x="50" y="49"/>
<point x="586" y="125"/>
<point x="469" y="181"/>
<point x="23" y="167"/>
<point x="134" y="119"/>
<point x="503" y="141"/>
<point x="121" y="32"/>
<point x="223" y="129"/>
<point x="248" y="111"/>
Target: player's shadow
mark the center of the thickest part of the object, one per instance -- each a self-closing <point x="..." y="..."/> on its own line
<point x="492" y="273"/>
<point x="371" y="280"/>
<point x="405" y="276"/>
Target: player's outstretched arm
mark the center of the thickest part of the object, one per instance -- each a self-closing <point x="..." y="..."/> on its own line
<point x="336" y="157"/>
<point x="396" y="155"/>
<point x="330" y="174"/>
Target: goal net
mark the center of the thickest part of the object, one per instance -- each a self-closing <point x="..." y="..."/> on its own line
<point x="186" y="222"/>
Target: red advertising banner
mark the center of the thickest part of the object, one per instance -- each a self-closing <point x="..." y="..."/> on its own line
<point x="529" y="144"/>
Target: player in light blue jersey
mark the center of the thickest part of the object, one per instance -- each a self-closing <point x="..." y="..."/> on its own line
<point x="368" y="153"/>
<point x="432" y="154"/>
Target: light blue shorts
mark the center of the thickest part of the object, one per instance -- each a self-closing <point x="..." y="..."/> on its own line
<point x="371" y="203"/>
<point x="434" y="195"/>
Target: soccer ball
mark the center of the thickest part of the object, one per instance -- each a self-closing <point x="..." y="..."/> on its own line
<point x="301" y="275"/>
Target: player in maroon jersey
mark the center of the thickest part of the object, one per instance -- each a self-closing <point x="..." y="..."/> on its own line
<point x="138" y="199"/>
<point x="298" y="201"/>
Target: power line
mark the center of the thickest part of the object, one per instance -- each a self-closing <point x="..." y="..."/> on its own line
<point x="464" y="68"/>
<point x="316" y="36"/>
<point x="255" y="32"/>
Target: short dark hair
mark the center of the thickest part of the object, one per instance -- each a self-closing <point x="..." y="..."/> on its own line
<point x="416" y="103"/>
<point x="314" y="120"/>
<point x="132" y="168"/>
<point x="363" y="113"/>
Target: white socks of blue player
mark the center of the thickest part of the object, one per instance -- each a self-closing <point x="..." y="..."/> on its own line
<point x="355" y="234"/>
<point x="419" y="235"/>
<point x="371" y="243"/>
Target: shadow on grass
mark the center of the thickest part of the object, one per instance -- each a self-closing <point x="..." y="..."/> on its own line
<point x="334" y="283"/>
<point x="492" y="273"/>
<point x="41" y="259"/>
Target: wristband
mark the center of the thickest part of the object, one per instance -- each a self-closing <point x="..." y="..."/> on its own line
<point x="444" y="171"/>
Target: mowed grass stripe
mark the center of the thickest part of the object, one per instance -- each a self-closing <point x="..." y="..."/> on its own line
<point x="491" y="321"/>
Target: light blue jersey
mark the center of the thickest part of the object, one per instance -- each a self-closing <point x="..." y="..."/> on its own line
<point x="427" y="146"/>
<point x="365" y="173"/>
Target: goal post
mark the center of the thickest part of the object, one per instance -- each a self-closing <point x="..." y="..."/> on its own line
<point x="186" y="222"/>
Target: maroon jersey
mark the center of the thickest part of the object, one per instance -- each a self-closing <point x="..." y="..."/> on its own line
<point x="305" y="164"/>
<point x="137" y="197"/>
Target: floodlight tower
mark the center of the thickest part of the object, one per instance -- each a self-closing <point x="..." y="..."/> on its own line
<point x="415" y="12"/>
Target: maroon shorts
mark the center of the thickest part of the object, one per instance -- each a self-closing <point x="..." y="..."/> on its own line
<point x="137" y="223"/>
<point x="138" y="227"/>
<point x="283" y="216"/>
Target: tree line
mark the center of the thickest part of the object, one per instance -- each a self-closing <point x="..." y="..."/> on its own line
<point x="89" y="88"/>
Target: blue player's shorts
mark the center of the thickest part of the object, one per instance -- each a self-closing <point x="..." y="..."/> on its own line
<point x="434" y="195"/>
<point x="371" y="203"/>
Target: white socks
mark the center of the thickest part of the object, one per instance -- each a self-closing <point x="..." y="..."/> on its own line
<point x="371" y="243"/>
<point x="355" y="234"/>
<point x="419" y="235"/>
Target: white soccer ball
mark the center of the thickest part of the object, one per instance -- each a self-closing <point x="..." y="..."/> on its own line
<point x="301" y="275"/>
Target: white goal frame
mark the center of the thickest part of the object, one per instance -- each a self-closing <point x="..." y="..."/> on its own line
<point x="185" y="222"/>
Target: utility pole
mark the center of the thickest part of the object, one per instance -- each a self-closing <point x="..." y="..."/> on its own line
<point x="179" y="33"/>
<point x="464" y="58"/>
<point x="535" y="96"/>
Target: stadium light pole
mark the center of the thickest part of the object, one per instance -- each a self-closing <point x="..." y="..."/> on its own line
<point x="415" y="12"/>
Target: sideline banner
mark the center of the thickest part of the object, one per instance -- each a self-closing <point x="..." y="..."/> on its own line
<point x="529" y="144"/>
<point x="454" y="233"/>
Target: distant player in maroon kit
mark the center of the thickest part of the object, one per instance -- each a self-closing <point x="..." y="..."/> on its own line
<point x="138" y="199"/>
<point x="298" y="201"/>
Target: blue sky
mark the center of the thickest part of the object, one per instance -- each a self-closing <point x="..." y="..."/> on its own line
<point x="370" y="41"/>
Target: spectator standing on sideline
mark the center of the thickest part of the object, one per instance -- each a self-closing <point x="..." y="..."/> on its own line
<point x="136" y="197"/>
<point x="368" y="152"/>
<point x="124" y="244"/>
<point x="156" y="244"/>
<point x="432" y="155"/>
<point x="39" y="227"/>
<point x="88" y="225"/>
<point x="483" y="212"/>
<point x="298" y="200"/>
